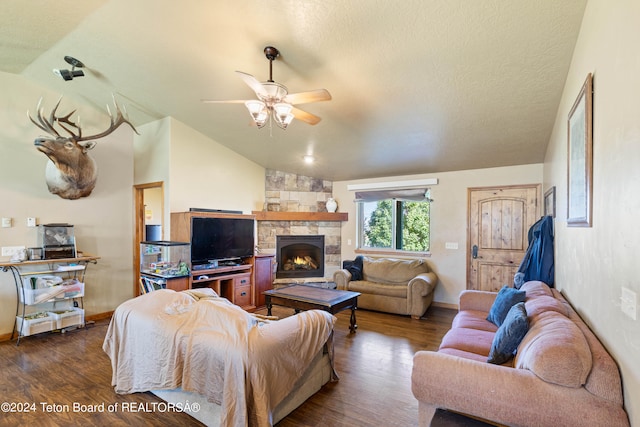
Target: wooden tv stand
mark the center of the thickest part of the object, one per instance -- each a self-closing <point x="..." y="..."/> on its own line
<point x="231" y="282"/>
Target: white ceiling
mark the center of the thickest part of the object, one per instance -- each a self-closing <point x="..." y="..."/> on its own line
<point x="418" y="86"/>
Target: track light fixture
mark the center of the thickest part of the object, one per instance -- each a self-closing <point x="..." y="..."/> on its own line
<point x="70" y="74"/>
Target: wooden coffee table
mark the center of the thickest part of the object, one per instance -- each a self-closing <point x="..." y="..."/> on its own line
<point x="301" y="297"/>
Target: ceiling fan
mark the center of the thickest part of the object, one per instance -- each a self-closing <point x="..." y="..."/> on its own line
<point x="274" y="101"/>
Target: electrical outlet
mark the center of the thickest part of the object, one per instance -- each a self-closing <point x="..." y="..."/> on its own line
<point x="628" y="302"/>
<point x="31" y="222"/>
<point x="10" y="250"/>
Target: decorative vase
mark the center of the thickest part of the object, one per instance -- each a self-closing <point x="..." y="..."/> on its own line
<point x="331" y="205"/>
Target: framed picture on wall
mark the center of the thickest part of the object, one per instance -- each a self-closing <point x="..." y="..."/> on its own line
<point x="580" y="158"/>
<point x="550" y="202"/>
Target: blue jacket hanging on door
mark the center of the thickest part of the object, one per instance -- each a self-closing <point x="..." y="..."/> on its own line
<point x="537" y="263"/>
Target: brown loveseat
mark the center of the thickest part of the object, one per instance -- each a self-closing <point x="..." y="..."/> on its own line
<point x="561" y="374"/>
<point x="399" y="286"/>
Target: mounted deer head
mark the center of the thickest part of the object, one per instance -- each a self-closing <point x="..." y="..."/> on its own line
<point x="71" y="172"/>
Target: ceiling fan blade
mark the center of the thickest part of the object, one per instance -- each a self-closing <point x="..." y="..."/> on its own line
<point x="253" y="83"/>
<point x="304" y="116"/>
<point x="229" y="101"/>
<point x="306" y="97"/>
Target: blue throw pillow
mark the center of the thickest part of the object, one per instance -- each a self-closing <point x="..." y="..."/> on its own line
<point x="509" y="335"/>
<point x="354" y="267"/>
<point x="506" y="298"/>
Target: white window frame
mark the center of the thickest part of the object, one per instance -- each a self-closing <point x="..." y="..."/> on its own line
<point x="360" y="248"/>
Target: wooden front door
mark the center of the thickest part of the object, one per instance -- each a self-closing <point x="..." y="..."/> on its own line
<point x="499" y="220"/>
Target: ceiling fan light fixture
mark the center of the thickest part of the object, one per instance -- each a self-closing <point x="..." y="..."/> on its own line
<point x="255" y="107"/>
<point x="258" y="111"/>
<point x="284" y="120"/>
<point x="274" y="102"/>
<point x="282" y="114"/>
<point x="282" y="108"/>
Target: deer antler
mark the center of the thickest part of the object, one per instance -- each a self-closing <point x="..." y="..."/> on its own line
<point x="42" y="123"/>
<point x="67" y="120"/>
<point x="47" y="125"/>
<point x="116" y="121"/>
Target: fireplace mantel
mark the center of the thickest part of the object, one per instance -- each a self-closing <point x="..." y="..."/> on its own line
<point x="300" y="216"/>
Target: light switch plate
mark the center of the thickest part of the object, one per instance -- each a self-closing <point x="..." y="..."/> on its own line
<point x="31" y="222"/>
<point x="6" y="222"/>
<point x="451" y="245"/>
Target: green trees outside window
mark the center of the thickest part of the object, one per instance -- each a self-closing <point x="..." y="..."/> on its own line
<point x="395" y="224"/>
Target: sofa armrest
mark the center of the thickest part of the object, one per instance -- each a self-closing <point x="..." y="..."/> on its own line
<point x="468" y="386"/>
<point x="423" y="284"/>
<point x="342" y="278"/>
<point x="476" y="300"/>
<point x="504" y="394"/>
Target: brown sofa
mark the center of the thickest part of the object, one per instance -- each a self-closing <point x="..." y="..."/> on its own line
<point x="561" y="374"/>
<point x="399" y="286"/>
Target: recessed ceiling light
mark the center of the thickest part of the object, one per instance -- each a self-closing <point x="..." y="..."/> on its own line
<point x="309" y="159"/>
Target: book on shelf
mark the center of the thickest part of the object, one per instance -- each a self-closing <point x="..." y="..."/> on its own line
<point x="149" y="285"/>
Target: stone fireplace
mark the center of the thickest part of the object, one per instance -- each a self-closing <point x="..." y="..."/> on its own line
<point x="299" y="256"/>
<point x="287" y="193"/>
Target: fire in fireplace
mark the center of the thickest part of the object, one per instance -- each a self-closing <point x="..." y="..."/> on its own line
<point x="299" y="256"/>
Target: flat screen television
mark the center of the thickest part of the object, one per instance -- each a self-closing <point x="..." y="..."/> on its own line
<point x="221" y="239"/>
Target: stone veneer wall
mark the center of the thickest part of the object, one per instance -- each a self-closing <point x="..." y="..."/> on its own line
<point x="288" y="192"/>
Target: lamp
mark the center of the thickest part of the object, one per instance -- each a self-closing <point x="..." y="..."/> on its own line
<point x="258" y="111"/>
<point x="261" y="111"/>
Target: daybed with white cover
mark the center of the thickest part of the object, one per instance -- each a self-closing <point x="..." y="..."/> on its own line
<point x="195" y="346"/>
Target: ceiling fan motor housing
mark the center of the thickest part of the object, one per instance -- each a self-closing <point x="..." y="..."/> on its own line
<point x="271" y="53"/>
<point x="275" y="92"/>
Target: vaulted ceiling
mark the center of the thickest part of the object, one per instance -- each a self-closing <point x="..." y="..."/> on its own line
<point x="418" y="86"/>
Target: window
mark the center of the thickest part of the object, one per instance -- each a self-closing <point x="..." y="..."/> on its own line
<point x="393" y="223"/>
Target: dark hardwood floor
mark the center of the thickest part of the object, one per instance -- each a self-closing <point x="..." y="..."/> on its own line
<point x="48" y="374"/>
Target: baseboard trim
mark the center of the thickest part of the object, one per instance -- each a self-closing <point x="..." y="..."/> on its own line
<point x="445" y="305"/>
<point x="99" y="316"/>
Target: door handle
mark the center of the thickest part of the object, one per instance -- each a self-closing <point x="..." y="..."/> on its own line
<point x="474" y="251"/>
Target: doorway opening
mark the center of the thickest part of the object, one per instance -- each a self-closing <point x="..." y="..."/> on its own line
<point x="148" y="211"/>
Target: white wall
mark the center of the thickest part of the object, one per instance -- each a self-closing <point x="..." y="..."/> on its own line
<point x="205" y="174"/>
<point x="102" y="222"/>
<point x="152" y="150"/>
<point x="448" y="218"/>
<point x="593" y="264"/>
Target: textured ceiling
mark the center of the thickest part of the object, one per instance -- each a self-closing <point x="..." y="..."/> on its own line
<point x="418" y="86"/>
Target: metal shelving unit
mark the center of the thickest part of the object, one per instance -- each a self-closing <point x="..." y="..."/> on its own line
<point x="72" y="270"/>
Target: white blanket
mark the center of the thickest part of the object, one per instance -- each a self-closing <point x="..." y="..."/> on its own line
<point x="205" y="344"/>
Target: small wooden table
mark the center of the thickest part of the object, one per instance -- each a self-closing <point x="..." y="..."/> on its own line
<point x="301" y="297"/>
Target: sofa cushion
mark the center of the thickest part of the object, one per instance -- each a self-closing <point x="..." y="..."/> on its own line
<point x="464" y="354"/>
<point x="507" y="297"/>
<point x="366" y="287"/>
<point x="392" y="271"/>
<point x="509" y="335"/>
<point x="470" y="340"/>
<point x="543" y="304"/>
<point x="556" y="351"/>
<point x="473" y="319"/>
<point x="536" y="288"/>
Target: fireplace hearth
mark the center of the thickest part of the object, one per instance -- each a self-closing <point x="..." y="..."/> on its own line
<point x="299" y="256"/>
